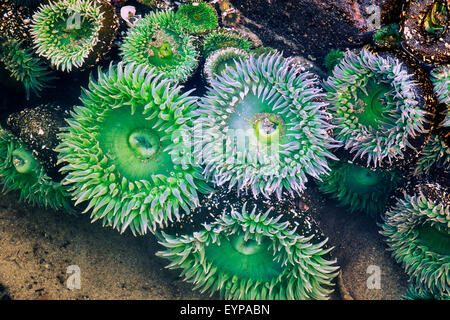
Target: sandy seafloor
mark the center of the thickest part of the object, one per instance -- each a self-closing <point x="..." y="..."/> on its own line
<point x="38" y="245"/>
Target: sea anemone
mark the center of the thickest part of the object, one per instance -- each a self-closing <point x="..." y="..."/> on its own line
<point x="414" y="293"/>
<point x="231" y="17"/>
<point x="21" y="171"/>
<point x="359" y="188"/>
<point x="24" y="67"/>
<point x="120" y="150"/>
<point x="220" y="60"/>
<point x="434" y="155"/>
<point x="38" y="129"/>
<point x="263" y="125"/>
<point x="74" y="34"/>
<point x="440" y="78"/>
<point x="159" y="41"/>
<point x="387" y="36"/>
<point x="377" y="108"/>
<point x="263" y="50"/>
<point x="250" y="249"/>
<point x="197" y="17"/>
<point x="417" y="232"/>
<point x="332" y="59"/>
<point x="425" y="30"/>
<point x="224" y="38"/>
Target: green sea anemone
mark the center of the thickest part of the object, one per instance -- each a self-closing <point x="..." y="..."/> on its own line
<point x="441" y="82"/>
<point x="224" y="38"/>
<point x="425" y="30"/>
<point x="222" y="59"/>
<point x="263" y="50"/>
<point x="388" y="36"/>
<point x="332" y="59"/>
<point x="119" y="150"/>
<point x="376" y="107"/>
<point x="74" y="34"/>
<point x="21" y="171"/>
<point x="263" y="126"/>
<point x="248" y="249"/>
<point x="24" y="67"/>
<point x="197" y="17"/>
<point x="417" y="232"/>
<point x="414" y="293"/>
<point x="435" y="154"/>
<point x="231" y="17"/>
<point x="359" y="188"/>
<point x="159" y="41"/>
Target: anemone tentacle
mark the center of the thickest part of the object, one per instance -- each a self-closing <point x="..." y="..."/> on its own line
<point x="263" y="126"/>
<point x="376" y="107"/>
<point x="21" y="171"/>
<point x="435" y="154"/>
<point x="159" y="41"/>
<point x="440" y="78"/>
<point x="417" y="233"/>
<point x="120" y="150"/>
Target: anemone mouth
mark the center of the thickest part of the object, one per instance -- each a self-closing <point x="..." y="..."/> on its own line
<point x="129" y="170"/>
<point x="375" y="107"/>
<point x="436" y="238"/>
<point x="362" y="180"/>
<point x="163" y="48"/>
<point x="268" y="127"/>
<point x="222" y="39"/>
<point x="159" y="41"/>
<point x="23" y="161"/>
<point x="73" y="30"/>
<point x="436" y="19"/>
<point x="372" y="104"/>
<point x="266" y="131"/>
<point x="133" y="144"/>
<point x="244" y="258"/>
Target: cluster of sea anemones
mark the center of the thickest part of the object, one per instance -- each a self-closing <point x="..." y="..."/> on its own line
<point x="142" y="153"/>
